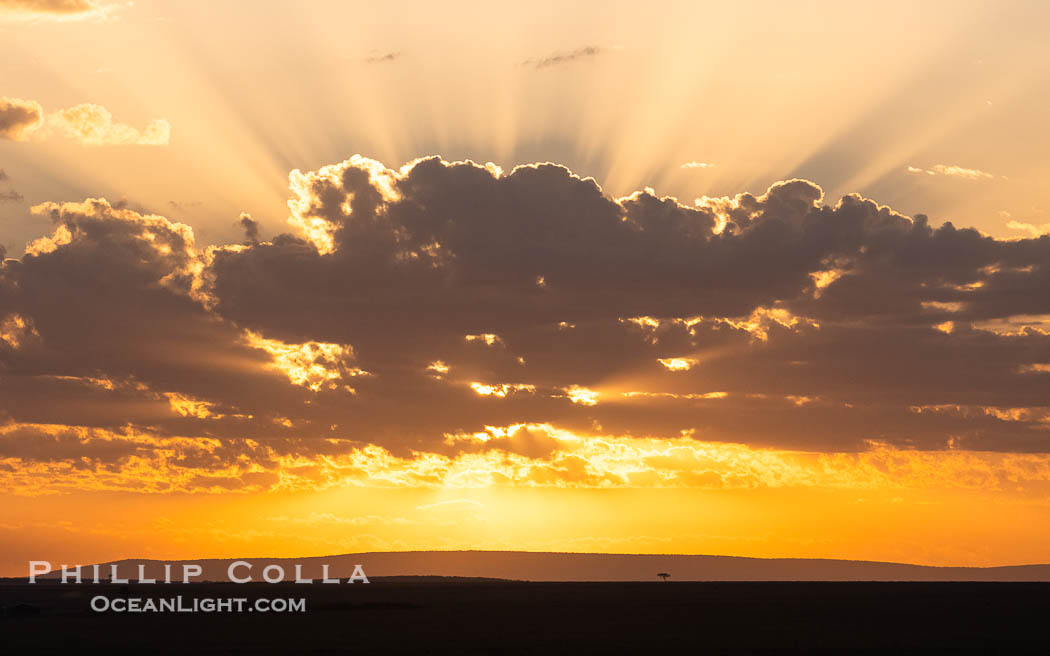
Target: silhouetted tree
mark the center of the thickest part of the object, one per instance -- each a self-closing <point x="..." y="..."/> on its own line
<point x="664" y="575"/>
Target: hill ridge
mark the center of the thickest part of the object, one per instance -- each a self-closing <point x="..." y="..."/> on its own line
<point x="579" y="566"/>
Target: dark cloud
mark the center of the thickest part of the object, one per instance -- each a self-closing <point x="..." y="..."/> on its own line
<point x="445" y="250"/>
<point x="558" y="59"/>
<point x="19" y="117"/>
<point x="9" y="196"/>
<point x="182" y="206"/>
<point x="30" y="444"/>
<point x="385" y="57"/>
<point x="447" y="297"/>
<point x="251" y="228"/>
<point x="102" y="316"/>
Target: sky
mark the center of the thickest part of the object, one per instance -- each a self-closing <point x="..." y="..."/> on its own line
<point x="308" y="278"/>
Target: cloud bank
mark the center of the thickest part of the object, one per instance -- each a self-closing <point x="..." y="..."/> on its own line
<point x="413" y="312"/>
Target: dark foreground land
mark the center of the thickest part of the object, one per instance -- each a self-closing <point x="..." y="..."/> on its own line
<point x="440" y="616"/>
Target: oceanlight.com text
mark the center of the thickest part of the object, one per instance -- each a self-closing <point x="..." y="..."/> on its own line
<point x="180" y="604"/>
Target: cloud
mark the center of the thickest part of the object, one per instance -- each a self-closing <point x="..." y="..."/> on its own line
<point x="131" y="279"/>
<point x="369" y="333"/>
<point x="18" y="118"/>
<point x="749" y="292"/>
<point x="87" y="124"/>
<point x="557" y="59"/>
<point x="60" y="10"/>
<point x="251" y="228"/>
<point x="1030" y="228"/>
<point x="182" y="205"/>
<point x="9" y="196"/>
<point x="697" y="165"/>
<point x="93" y="125"/>
<point x="385" y="57"/>
<point x="37" y="459"/>
<point x="952" y="171"/>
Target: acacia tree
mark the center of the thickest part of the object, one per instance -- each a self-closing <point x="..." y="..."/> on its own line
<point x="664" y="575"/>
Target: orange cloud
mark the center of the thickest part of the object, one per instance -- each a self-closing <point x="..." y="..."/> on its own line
<point x="93" y="125"/>
<point x="36" y="459"/>
<point x="314" y="365"/>
<point x="59" y="10"/>
<point x="1032" y="229"/>
<point x="952" y="171"/>
<point x="19" y="118"/>
<point x="87" y="124"/>
<point x="385" y="322"/>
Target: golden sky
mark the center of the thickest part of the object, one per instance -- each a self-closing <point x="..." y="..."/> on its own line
<point x="325" y="277"/>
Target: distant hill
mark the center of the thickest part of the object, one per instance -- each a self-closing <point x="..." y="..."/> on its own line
<point x="543" y="566"/>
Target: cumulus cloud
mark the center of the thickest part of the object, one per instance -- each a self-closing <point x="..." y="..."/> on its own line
<point x="697" y="165"/>
<point x="18" y="118"/>
<point x="87" y="124"/>
<point x="130" y="279"/>
<point x="250" y="227"/>
<point x="93" y="125"/>
<point x="411" y="310"/>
